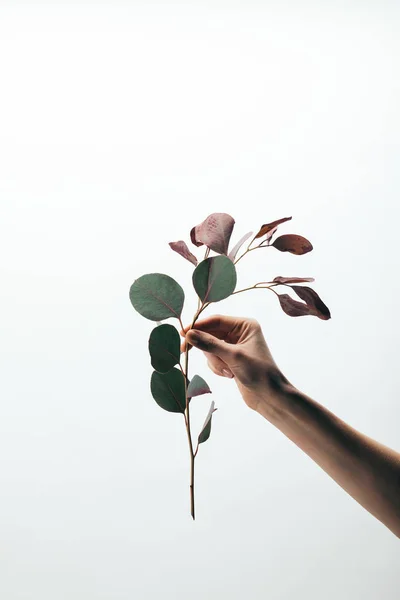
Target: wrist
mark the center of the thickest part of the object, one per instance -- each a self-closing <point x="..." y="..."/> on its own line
<point x="276" y="397"/>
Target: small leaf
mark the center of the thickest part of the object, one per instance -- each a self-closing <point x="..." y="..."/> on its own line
<point x="268" y="226"/>
<point x="168" y="390"/>
<point x="214" y="278"/>
<point x="235" y="249"/>
<point x="157" y="296"/>
<point x="206" y="429"/>
<point x="197" y="387"/>
<point x="312" y="299"/>
<point x="164" y="348"/>
<point x="215" y="232"/>
<point x="296" y="244"/>
<point x="292" y="307"/>
<point x="182" y="249"/>
<point x="292" y="279"/>
<point x="269" y="236"/>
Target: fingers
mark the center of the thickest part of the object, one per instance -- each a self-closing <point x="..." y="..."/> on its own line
<point x="218" y="366"/>
<point x="218" y="325"/>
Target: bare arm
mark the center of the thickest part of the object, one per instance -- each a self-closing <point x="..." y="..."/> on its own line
<point x="366" y="469"/>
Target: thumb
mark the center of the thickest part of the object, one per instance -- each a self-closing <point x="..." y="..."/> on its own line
<point x="209" y="343"/>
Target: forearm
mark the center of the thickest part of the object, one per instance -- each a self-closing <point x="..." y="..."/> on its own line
<point x="366" y="469"/>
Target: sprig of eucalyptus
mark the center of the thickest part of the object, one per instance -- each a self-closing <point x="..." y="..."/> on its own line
<point x="157" y="297"/>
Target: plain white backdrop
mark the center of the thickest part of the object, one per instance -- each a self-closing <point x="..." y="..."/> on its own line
<point x="123" y="125"/>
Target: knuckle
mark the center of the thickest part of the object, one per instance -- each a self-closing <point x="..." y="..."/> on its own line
<point x="237" y="354"/>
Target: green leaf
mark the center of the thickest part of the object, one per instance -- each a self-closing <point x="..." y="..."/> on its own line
<point x="164" y="347"/>
<point x="197" y="387"/>
<point x="157" y="296"/>
<point x="206" y="429"/>
<point x="214" y="278"/>
<point x="168" y="390"/>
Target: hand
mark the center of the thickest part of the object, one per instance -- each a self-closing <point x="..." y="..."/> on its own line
<point x="235" y="347"/>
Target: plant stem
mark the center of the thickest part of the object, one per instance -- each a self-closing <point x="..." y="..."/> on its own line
<point x="254" y="287"/>
<point x="187" y="417"/>
<point x="248" y="249"/>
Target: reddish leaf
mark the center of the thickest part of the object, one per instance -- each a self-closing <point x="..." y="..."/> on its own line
<point x="235" y="249"/>
<point x="296" y="244"/>
<point x="292" y="279"/>
<point x="294" y="308"/>
<point x="268" y="226"/>
<point x="215" y="232"/>
<point x="182" y="249"/>
<point x="312" y="299"/>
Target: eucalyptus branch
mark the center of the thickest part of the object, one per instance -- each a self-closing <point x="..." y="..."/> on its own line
<point x="157" y="297"/>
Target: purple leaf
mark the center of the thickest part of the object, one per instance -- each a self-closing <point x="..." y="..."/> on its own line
<point x="215" y="232"/>
<point x="182" y="249"/>
<point x="269" y="226"/>
<point x="312" y="300"/>
<point x="292" y="307"/>
<point x="292" y="279"/>
<point x="296" y="244"/>
<point x="235" y="249"/>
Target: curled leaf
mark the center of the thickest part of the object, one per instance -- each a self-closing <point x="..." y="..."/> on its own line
<point x="215" y="232"/>
<point x="197" y="387"/>
<point x="292" y="307"/>
<point x="296" y="244"/>
<point x="312" y="299"/>
<point x="182" y="249"/>
<point x="164" y="347"/>
<point x="235" y="249"/>
<point x="292" y="279"/>
<point x="269" y="226"/>
<point x="214" y="278"/>
<point x="157" y="296"/>
<point x="312" y="304"/>
<point x="206" y="429"/>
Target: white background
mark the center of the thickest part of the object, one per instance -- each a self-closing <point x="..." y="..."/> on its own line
<point x="123" y="125"/>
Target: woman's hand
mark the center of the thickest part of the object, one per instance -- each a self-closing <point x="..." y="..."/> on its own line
<point x="235" y="347"/>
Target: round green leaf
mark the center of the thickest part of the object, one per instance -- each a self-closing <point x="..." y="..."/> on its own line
<point x="164" y="347"/>
<point x="214" y="278"/>
<point x="168" y="390"/>
<point x="157" y="296"/>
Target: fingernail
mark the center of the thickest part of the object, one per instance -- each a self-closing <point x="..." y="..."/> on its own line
<point x="227" y="373"/>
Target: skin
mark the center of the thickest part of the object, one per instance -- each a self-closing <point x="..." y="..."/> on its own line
<point x="363" y="467"/>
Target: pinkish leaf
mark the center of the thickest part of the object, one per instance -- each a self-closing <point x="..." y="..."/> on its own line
<point x="215" y="232"/>
<point x="312" y="300"/>
<point x="292" y="279"/>
<point x="193" y="237"/>
<point x="269" y="235"/>
<point x="296" y="244"/>
<point x="182" y="249"/>
<point x="235" y="249"/>
<point x="268" y="226"/>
